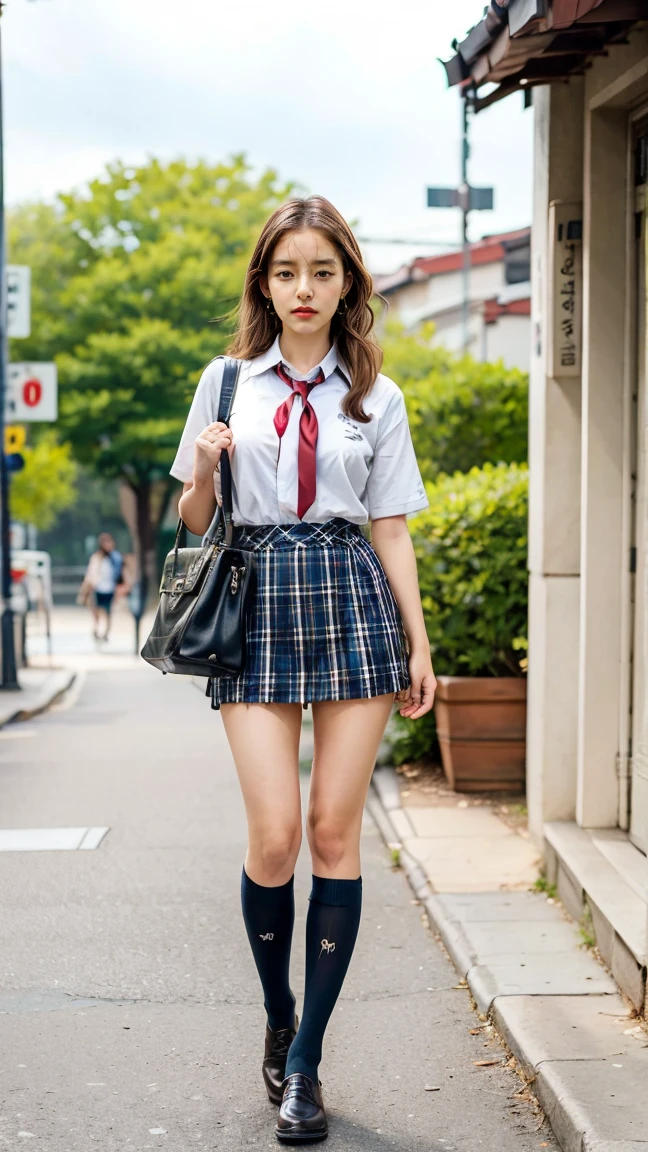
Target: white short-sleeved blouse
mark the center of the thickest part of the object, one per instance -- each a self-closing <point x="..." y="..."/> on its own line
<point x="364" y="471"/>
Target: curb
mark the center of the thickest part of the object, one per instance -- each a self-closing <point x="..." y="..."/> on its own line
<point x="571" y="1122"/>
<point x="449" y="930"/>
<point x="38" y="700"/>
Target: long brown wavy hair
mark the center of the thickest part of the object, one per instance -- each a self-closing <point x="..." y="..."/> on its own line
<point x="258" y="326"/>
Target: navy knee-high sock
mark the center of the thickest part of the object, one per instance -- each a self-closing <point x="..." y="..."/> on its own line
<point x="331" y="930"/>
<point x="269" y="915"/>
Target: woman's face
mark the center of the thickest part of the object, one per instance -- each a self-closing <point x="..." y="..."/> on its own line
<point x="306" y="279"/>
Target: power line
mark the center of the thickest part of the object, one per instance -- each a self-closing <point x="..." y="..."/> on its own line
<point x="405" y="240"/>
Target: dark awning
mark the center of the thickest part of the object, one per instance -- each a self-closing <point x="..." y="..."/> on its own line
<point x="522" y="43"/>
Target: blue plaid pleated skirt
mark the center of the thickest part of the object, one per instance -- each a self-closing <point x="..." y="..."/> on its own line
<point x="324" y="624"/>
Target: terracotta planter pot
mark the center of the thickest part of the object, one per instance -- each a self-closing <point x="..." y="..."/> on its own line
<point x="481" y="725"/>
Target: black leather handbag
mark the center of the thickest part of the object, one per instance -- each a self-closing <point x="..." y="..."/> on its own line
<point x="206" y="593"/>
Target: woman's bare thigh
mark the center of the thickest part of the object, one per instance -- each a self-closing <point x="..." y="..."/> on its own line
<point x="264" y="740"/>
<point x="347" y="736"/>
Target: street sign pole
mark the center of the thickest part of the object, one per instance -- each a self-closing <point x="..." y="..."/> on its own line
<point x="465" y="208"/>
<point x="9" y="674"/>
<point x="468" y="199"/>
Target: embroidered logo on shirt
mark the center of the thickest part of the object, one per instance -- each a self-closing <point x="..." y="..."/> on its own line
<point x="348" y="425"/>
<point x="326" y="947"/>
<point x="268" y="936"/>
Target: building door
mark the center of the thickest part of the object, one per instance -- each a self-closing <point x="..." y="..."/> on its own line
<point x="639" y="720"/>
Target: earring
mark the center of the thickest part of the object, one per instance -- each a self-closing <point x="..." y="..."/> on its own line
<point x="342" y="311"/>
<point x="269" y="306"/>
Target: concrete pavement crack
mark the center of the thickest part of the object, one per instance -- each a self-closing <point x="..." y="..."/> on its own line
<point x="368" y="996"/>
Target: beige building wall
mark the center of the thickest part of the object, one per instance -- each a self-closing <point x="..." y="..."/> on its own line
<point x="436" y="295"/>
<point x="554" y="498"/>
<point x="579" y="536"/>
<point x="439" y="298"/>
<point x="508" y="339"/>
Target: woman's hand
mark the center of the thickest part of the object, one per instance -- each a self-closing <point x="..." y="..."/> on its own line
<point x="210" y="443"/>
<point x="419" y="697"/>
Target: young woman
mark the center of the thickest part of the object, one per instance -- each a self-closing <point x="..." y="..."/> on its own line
<point x="319" y="445"/>
<point x="103" y="576"/>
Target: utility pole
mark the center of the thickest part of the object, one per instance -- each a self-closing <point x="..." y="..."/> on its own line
<point x="9" y="674"/>
<point x="469" y="199"/>
<point x="464" y="194"/>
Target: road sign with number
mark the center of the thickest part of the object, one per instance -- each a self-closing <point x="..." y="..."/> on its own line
<point x="32" y="393"/>
<point x="18" y="300"/>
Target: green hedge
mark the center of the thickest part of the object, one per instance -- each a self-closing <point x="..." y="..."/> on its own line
<point x="471" y="550"/>
<point x="462" y="412"/>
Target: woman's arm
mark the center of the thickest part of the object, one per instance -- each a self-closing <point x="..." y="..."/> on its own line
<point x="198" y="501"/>
<point x="393" y="544"/>
<point x="197" y="505"/>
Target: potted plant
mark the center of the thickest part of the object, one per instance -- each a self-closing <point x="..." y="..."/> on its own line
<point x="471" y="548"/>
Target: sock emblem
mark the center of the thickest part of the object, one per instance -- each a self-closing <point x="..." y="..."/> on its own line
<point x="268" y="936"/>
<point x="326" y="947"/>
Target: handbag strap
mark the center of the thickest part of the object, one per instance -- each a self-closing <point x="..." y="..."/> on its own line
<point x="222" y="518"/>
<point x="223" y="515"/>
<point x="231" y="370"/>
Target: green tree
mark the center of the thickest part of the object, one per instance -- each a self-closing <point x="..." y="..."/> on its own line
<point x="46" y="485"/>
<point x="155" y="254"/>
<point x="39" y="235"/>
<point x="462" y="412"/>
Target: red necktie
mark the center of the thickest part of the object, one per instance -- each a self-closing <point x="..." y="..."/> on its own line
<point x="306" y="456"/>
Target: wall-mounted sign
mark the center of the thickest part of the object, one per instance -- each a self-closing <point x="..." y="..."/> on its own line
<point x="565" y="304"/>
<point x="32" y="393"/>
<point x="18" y="300"/>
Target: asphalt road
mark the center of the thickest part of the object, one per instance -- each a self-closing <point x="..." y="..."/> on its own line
<point x="130" y="1015"/>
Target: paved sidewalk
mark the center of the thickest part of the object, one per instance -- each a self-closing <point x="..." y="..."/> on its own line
<point x="73" y="644"/>
<point x="130" y="1012"/>
<point x="580" y="1045"/>
<point x="39" y="688"/>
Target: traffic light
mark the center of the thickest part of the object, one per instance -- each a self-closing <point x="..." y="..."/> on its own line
<point x="15" y="437"/>
<point x="15" y="461"/>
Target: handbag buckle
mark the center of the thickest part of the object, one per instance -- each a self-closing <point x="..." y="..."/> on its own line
<point x="237" y="574"/>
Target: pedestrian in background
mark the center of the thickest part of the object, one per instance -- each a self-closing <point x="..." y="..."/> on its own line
<point x="320" y="445"/>
<point x="104" y="575"/>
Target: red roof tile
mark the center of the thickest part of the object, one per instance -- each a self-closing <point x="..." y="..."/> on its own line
<point x="489" y="250"/>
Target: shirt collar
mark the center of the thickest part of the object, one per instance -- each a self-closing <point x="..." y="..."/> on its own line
<point x="269" y="359"/>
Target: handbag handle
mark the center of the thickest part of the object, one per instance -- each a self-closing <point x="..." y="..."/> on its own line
<point x="229" y="382"/>
<point x="222" y="517"/>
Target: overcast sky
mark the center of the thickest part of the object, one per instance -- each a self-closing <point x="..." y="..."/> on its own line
<point x="346" y="97"/>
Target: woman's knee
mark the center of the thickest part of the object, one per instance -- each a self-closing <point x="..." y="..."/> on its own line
<point x="330" y="839"/>
<point x="275" y="850"/>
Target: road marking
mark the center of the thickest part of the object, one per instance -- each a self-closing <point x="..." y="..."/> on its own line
<point x="93" y="838"/>
<point x="50" y="839"/>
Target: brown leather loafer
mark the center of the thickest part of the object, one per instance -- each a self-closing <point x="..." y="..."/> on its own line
<point x="302" y="1118"/>
<point x="274" y="1062"/>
